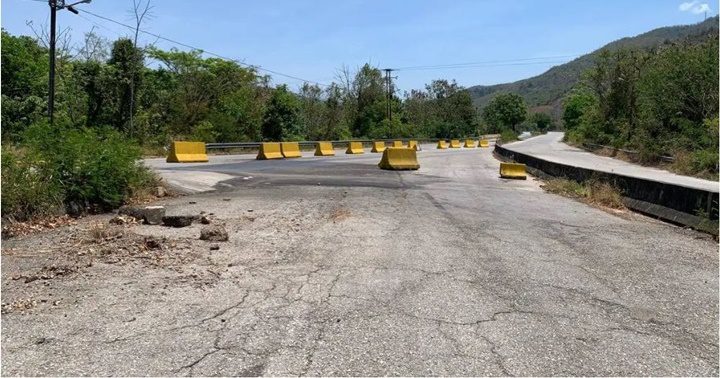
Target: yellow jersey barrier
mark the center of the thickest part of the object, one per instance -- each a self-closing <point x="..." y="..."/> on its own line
<point x="469" y="143"/>
<point x="355" y="148"/>
<point x="324" y="149"/>
<point x="399" y="158"/>
<point x="269" y="150"/>
<point x="513" y="171"/>
<point x="378" y="146"/>
<point x="398" y="143"/>
<point x="454" y="143"/>
<point x="290" y="149"/>
<point x="442" y="145"/>
<point x="187" y="152"/>
<point x="484" y="143"/>
<point x="414" y="145"/>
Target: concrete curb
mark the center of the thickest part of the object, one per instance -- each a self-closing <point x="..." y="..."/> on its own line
<point x="672" y="203"/>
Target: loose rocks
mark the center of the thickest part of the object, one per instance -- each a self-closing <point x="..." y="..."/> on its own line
<point x="178" y="220"/>
<point x="213" y="233"/>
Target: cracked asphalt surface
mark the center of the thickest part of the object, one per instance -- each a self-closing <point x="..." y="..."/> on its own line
<point x="337" y="268"/>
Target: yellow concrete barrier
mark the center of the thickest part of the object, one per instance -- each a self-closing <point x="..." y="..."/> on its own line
<point x="270" y="150"/>
<point x="187" y="152"/>
<point x="324" y="149"/>
<point x="454" y="143"/>
<point x="414" y="145"/>
<point x="513" y="171"/>
<point x="355" y="148"/>
<point x="442" y="145"/>
<point x="290" y="149"/>
<point x="378" y="146"/>
<point x="484" y="143"/>
<point x="399" y="158"/>
<point x="469" y="143"/>
<point x="398" y="143"/>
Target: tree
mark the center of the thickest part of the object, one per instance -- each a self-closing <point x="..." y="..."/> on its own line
<point x="443" y="110"/>
<point x="24" y="83"/>
<point x="368" y="93"/>
<point x="542" y="121"/>
<point x="575" y="105"/>
<point x="505" y="111"/>
<point x="128" y="64"/>
<point x="281" y="117"/>
<point x="95" y="48"/>
<point x="312" y="111"/>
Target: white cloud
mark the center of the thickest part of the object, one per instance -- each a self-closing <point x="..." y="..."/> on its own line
<point x="694" y="6"/>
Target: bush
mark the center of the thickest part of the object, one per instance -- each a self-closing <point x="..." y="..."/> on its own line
<point x="508" y="136"/>
<point x="84" y="169"/>
<point x="28" y="189"/>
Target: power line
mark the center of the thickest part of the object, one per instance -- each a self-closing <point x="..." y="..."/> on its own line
<point x="158" y="36"/>
<point x="490" y="63"/>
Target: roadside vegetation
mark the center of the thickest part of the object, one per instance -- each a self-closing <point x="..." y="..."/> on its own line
<point x="593" y="192"/>
<point x="661" y="102"/>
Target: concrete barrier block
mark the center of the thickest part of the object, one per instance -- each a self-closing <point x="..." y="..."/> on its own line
<point x="355" y="148"/>
<point x="269" y="151"/>
<point x="324" y="149"/>
<point x="290" y="149"/>
<point x="399" y="158"/>
<point x="378" y="146"/>
<point x="187" y="152"/>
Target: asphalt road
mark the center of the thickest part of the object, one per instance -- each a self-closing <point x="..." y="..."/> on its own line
<point x="550" y="147"/>
<point x="345" y="269"/>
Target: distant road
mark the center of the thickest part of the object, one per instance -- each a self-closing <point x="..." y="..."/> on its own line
<point x="550" y="147"/>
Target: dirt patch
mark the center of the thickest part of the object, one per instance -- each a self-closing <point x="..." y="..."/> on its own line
<point x="339" y="214"/>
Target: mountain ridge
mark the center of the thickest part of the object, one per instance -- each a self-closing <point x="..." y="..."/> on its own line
<point x="545" y="92"/>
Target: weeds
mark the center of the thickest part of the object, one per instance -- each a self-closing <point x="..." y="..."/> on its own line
<point x="593" y="192"/>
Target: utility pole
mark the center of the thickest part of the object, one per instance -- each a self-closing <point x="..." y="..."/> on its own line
<point x="388" y="84"/>
<point x="51" y="79"/>
<point x="54" y="7"/>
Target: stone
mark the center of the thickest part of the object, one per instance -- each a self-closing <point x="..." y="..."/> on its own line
<point x="160" y="191"/>
<point x="153" y="214"/>
<point x="123" y="219"/>
<point x="178" y="220"/>
<point x="213" y="233"/>
<point x="204" y="220"/>
<point x="148" y="214"/>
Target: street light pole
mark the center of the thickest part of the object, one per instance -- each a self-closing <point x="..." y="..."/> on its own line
<point x="51" y="80"/>
<point x="54" y="7"/>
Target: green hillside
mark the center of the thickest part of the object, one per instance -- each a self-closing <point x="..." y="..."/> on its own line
<point x="547" y="90"/>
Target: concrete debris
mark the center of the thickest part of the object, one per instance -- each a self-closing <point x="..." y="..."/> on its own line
<point x="178" y="220"/>
<point x="148" y="214"/>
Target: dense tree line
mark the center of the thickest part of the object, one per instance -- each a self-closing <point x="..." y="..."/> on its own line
<point x="153" y="96"/>
<point x="658" y="102"/>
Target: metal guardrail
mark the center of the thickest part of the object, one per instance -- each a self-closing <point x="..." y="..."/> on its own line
<point x="256" y="145"/>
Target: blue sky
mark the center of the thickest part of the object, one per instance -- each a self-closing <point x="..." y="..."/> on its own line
<point x="311" y="39"/>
